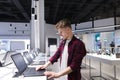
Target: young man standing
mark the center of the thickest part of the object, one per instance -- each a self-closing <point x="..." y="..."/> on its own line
<point x="71" y="52"/>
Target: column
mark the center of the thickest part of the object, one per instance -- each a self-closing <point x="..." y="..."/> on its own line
<point x="37" y="25"/>
<point x="42" y="25"/>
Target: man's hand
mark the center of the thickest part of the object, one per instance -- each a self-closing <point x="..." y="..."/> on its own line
<point x="40" y="67"/>
<point x="51" y="74"/>
<point x="59" y="74"/>
<point x="43" y="66"/>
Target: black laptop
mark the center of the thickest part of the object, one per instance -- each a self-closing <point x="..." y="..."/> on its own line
<point x="23" y="69"/>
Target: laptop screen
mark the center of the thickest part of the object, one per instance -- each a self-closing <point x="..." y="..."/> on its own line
<point x="19" y="62"/>
<point x="28" y="57"/>
<point x="7" y="58"/>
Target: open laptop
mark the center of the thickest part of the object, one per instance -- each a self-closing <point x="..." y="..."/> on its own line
<point x="31" y="61"/>
<point x="7" y="59"/>
<point x="22" y="67"/>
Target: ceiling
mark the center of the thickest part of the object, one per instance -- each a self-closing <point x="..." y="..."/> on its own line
<point x="76" y="10"/>
<point x="15" y="10"/>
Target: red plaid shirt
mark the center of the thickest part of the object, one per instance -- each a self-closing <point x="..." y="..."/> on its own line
<point x="76" y="52"/>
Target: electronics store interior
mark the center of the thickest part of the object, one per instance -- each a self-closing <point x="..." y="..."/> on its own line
<point x="30" y="37"/>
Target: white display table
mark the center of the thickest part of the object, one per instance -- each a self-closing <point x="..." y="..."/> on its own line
<point x="6" y="73"/>
<point x="111" y="60"/>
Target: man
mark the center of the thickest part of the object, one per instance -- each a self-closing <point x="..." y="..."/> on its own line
<point x="71" y="52"/>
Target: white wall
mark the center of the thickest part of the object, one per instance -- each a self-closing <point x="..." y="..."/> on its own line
<point x="84" y="25"/>
<point x="106" y="22"/>
<point x="8" y="32"/>
<point x="14" y="29"/>
<point x="51" y="32"/>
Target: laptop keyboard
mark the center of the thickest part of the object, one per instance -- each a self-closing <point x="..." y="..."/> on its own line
<point x="31" y="72"/>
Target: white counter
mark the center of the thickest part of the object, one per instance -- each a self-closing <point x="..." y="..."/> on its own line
<point x="111" y="60"/>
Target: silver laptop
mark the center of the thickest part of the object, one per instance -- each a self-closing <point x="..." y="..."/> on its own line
<point x="7" y="59"/>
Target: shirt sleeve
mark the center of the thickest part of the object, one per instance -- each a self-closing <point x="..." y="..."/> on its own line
<point x="79" y="53"/>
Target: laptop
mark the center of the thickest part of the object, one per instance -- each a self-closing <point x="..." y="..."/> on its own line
<point x="7" y="59"/>
<point x="27" y="56"/>
<point x="31" y="61"/>
<point x="23" y="69"/>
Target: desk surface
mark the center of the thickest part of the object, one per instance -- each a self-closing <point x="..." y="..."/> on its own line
<point x="6" y="73"/>
<point x="9" y="77"/>
<point x="104" y="58"/>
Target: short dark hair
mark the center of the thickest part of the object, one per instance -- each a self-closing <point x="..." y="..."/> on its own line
<point x="63" y="23"/>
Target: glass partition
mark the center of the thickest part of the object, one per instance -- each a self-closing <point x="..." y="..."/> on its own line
<point x="99" y="42"/>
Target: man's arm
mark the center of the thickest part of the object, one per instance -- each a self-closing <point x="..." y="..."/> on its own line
<point x="65" y="71"/>
<point x="56" y="75"/>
